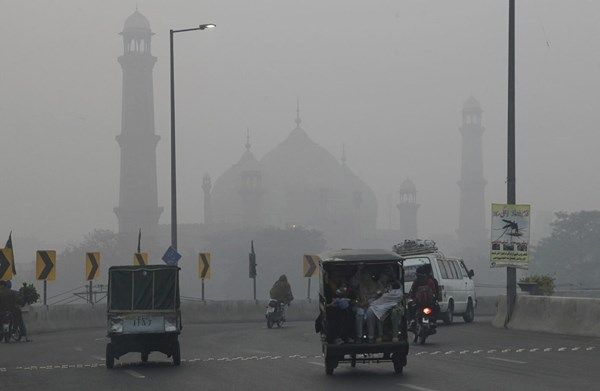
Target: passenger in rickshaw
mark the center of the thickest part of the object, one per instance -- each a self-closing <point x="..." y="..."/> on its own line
<point x="339" y="316"/>
<point x="369" y="287"/>
<point x="387" y="305"/>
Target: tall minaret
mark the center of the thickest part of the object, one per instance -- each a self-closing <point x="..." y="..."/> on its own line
<point x="407" y="208"/>
<point x="251" y="187"/>
<point x="206" y="188"/>
<point x="138" y="199"/>
<point x="471" y="228"/>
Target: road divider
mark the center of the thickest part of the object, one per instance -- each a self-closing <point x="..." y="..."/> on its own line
<point x="559" y="315"/>
<point x="40" y="319"/>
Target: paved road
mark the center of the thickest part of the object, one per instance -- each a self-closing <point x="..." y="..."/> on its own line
<point x="251" y="357"/>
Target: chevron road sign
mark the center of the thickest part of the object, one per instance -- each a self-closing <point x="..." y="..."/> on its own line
<point x="45" y="265"/>
<point x="92" y="266"/>
<point x="140" y="259"/>
<point x="5" y="266"/>
<point x="310" y="265"/>
<point x="204" y="266"/>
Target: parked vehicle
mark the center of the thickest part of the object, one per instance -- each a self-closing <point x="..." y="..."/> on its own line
<point x="391" y="342"/>
<point x="455" y="279"/>
<point x="275" y="313"/>
<point x="143" y="312"/>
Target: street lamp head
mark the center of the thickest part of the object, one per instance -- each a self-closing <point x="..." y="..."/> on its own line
<point x="207" y="26"/>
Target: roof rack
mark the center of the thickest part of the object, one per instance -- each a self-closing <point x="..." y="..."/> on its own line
<point x="415" y="247"/>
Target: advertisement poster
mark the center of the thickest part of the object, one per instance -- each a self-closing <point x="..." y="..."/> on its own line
<point x="510" y="236"/>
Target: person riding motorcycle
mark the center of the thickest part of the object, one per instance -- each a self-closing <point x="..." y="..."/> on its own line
<point x="282" y="291"/>
<point x="11" y="301"/>
<point x="424" y="291"/>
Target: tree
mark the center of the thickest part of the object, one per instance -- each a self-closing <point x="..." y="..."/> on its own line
<point x="572" y="251"/>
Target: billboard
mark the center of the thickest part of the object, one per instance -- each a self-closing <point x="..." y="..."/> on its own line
<point x="510" y="236"/>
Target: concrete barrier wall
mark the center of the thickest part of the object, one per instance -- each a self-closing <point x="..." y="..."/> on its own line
<point x="63" y="317"/>
<point x="560" y="315"/>
<point x="486" y="306"/>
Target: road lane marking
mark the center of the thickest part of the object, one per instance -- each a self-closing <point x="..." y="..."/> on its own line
<point x="78" y="349"/>
<point x="416" y="388"/>
<point x="316" y="363"/>
<point x="135" y="374"/>
<point x="98" y="358"/>
<point x="507" y="360"/>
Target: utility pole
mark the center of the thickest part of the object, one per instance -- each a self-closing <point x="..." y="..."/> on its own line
<point x="173" y="149"/>
<point x="511" y="272"/>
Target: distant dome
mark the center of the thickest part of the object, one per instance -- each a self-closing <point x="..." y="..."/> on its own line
<point x="408" y="186"/>
<point x="471" y="104"/>
<point x="136" y="22"/>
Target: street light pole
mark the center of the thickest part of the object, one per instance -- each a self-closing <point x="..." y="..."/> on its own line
<point x="511" y="272"/>
<point x="173" y="149"/>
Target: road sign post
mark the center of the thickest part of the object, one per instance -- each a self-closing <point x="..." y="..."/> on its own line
<point x="309" y="266"/>
<point x="140" y="259"/>
<point x="91" y="297"/>
<point x="45" y="293"/>
<point x="204" y="270"/>
<point x="252" y="268"/>
<point x="6" y="269"/>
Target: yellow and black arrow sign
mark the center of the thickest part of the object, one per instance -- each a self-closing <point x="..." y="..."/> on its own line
<point x="45" y="265"/>
<point x="140" y="259"/>
<point x="92" y="266"/>
<point x="204" y="266"/>
<point x="310" y="264"/>
<point x="6" y="270"/>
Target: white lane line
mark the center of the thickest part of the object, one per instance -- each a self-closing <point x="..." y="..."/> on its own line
<point x="413" y="387"/>
<point x="507" y="360"/>
<point x="98" y="358"/>
<point x="316" y="363"/>
<point x="135" y="374"/>
<point x="78" y="349"/>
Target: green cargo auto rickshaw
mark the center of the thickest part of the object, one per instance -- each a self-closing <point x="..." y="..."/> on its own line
<point x="362" y="308"/>
<point x="143" y="312"/>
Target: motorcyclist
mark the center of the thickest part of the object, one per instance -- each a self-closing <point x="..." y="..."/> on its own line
<point x="424" y="291"/>
<point x="282" y="291"/>
<point x="10" y="302"/>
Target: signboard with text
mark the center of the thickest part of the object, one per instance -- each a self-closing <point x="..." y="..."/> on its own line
<point x="510" y="236"/>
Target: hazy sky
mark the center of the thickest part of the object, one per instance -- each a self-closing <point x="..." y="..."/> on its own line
<point x="387" y="78"/>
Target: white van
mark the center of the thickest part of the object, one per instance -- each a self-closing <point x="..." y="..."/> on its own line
<point x="455" y="280"/>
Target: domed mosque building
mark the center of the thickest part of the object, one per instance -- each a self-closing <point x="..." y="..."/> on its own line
<point x="297" y="184"/>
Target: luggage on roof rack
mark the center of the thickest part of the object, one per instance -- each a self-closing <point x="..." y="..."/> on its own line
<point x="414" y="247"/>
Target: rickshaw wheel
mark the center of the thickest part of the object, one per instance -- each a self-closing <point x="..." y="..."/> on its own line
<point x="110" y="358"/>
<point x="330" y="364"/>
<point x="279" y="324"/>
<point x="145" y="357"/>
<point x="398" y="367"/>
<point x="176" y="354"/>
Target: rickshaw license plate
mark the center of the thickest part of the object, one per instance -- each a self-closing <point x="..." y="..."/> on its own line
<point x="144" y="324"/>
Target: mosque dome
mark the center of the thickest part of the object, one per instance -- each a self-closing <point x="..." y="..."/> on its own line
<point x="136" y="22"/>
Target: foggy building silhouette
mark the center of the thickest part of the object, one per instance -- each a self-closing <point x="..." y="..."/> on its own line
<point x="138" y="198"/>
<point x="298" y="183"/>
<point x="206" y="188"/>
<point x="472" y="233"/>
<point x="407" y="208"/>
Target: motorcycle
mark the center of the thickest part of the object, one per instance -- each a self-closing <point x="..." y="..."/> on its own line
<point x="8" y="328"/>
<point x="424" y="323"/>
<point x="275" y="313"/>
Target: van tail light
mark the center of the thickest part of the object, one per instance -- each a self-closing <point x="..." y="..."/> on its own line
<point x="427" y="311"/>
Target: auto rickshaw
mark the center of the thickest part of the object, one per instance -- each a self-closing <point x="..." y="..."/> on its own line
<point x="352" y="269"/>
<point x="143" y="312"/>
